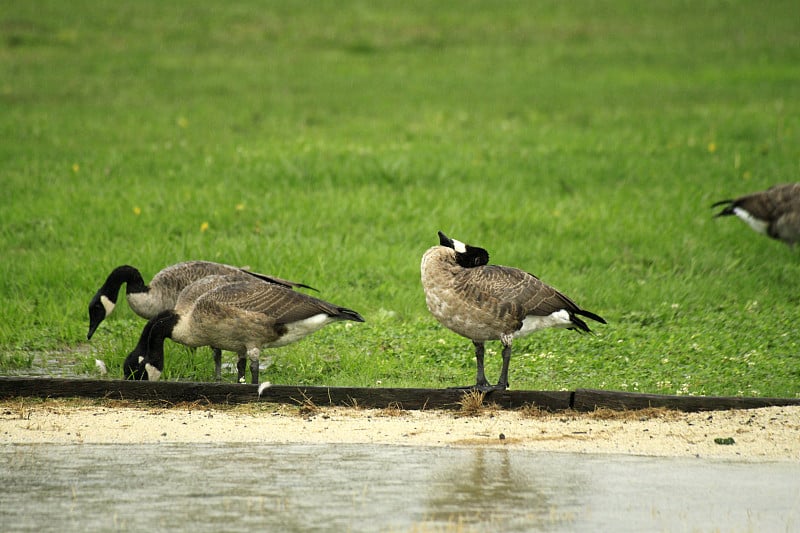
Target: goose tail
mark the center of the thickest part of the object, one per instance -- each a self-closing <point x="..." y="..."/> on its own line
<point x="579" y="322"/>
<point x="727" y="211"/>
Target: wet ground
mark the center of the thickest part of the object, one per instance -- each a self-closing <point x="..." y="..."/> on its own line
<point x="269" y="487"/>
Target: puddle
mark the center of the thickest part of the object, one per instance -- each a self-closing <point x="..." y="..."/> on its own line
<point x="69" y="362"/>
<point x="49" y="487"/>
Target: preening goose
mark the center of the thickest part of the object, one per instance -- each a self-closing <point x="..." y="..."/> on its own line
<point x="774" y="212"/>
<point x="485" y="302"/>
<point x="241" y="316"/>
<point x="162" y="292"/>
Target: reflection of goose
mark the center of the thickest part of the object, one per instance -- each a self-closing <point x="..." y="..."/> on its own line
<point x="239" y="315"/>
<point x="162" y="292"/>
<point x="774" y="212"/>
<point x="487" y="302"/>
<point x="492" y="489"/>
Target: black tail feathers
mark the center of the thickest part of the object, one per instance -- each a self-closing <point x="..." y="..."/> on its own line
<point x="580" y="324"/>
<point x="729" y="205"/>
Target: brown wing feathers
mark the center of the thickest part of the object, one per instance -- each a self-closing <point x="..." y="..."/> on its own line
<point x="522" y="293"/>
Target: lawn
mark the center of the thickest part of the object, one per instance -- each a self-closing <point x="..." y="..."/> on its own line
<point x="327" y="142"/>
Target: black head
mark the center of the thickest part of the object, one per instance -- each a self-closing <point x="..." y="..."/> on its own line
<point x="135" y="367"/>
<point x="146" y="361"/>
<point x="100" y="307"/>
<point x="466" y="256"/>
<point x="103" y="302"/>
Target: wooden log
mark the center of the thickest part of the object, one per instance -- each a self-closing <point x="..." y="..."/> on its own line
<point x="232" y="393"/>
<point x="589" y="400"/>
<point x="173" y="392"/>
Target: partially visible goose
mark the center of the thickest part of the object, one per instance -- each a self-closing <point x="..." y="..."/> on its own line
<point x="241" y="316"/>
<point x="162" y="292"/>
<point x="774" y="212"/>
<point x="485" y="302"/>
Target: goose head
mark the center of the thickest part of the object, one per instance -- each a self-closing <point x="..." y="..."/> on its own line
<point x="103" y="302"/>
<point x="146" y="361"/>
<point x="101" y="305"/>
<point x="466" y="255"/>
<point x="135" y="367"/>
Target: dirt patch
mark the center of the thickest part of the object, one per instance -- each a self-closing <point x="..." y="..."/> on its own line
<point x="771" y="433"/>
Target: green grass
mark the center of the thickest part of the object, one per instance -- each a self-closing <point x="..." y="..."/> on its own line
<point x="328" y="142"/>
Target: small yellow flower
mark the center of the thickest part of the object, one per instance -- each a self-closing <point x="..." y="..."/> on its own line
<point x="75" y="167"/>
<point x="137" y="210"/>
<point x="203" y="227"/>
<point x="712" y="147"/>
<point x="240" y="207"/>
<point x="183" y="122"/>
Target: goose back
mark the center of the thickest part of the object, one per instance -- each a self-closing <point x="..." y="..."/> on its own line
<point x="245" y="314"/>
<point x="165" y="287"/>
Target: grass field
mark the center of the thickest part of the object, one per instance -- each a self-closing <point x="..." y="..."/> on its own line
<point x="327" y="142"/>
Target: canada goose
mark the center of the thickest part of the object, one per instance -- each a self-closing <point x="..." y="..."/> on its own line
<point x="774" y="212"/>
<point x="485" y="302"/>
<point x="162" y="292"/>
<point x="242" y="316"/>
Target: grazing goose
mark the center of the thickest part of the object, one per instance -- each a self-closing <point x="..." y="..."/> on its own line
<point x="241" y="316"/>
<point x="774" y="212"/>
<point x="485" y="302"/>
<point x="162" y="292"/>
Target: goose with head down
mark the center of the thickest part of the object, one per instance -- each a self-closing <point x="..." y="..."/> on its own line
<point x="235" y="314"/>
<point x="484" y="302"/>
<point x="161" y="294"/>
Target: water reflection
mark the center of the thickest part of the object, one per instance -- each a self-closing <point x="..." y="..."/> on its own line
<point x="502" y="490"/>
<point x="382" y="488"/>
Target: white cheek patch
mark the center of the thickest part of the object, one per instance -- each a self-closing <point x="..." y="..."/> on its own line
<point x="760" y="226"/>
<point x="459" y="247"/>
<point x="108" y="305"/>
<point x="152" y="372"/>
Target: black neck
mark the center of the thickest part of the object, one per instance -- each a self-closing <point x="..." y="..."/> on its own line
<point x="150" y="348"/>
<point x="124" y="274"/>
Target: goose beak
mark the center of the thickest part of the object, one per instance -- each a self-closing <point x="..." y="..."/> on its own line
<point x="454" y="244"/>
<point x="94" y="321"/>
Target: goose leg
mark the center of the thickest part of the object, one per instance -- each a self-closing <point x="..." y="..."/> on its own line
<point x="217" y="363"/>
<point x="241" y="365"/>
<point x="502" y="383"/>
<point x="480" y="379"/>
<point x="253" y="353"/>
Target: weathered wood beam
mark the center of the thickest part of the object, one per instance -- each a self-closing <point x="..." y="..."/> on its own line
<point x="404" y="398"/>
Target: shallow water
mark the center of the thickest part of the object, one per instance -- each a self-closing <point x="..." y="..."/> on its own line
<point x="269" y="487"/>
